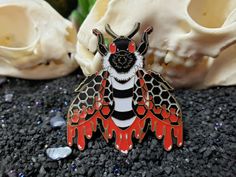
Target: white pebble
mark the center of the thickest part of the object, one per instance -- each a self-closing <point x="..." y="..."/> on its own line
<point x="58" y="153"/>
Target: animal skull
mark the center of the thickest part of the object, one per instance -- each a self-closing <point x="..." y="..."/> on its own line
<point x="192" y="44"/>
<point x="35" y="41"/>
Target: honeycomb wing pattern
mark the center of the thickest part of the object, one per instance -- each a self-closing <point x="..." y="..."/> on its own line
<point x="85" y="98"/>
<point x="85" y="83"/>
<point x="92" y="105"/>
<point x="93" y="92"/>
<point x="149" y="90"/>
<point x="153" y="103"/>
<point x="160" y="80"/>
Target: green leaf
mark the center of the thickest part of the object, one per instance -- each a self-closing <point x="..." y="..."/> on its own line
<point x="91" y="2"/>
<point x="84" y="7"/>
<point x="106" y="40"/>
<point x="75" y="15"/>
<point x="80" y="18"/>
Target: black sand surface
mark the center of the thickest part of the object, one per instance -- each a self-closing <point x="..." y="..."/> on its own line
<point x="25" y="134"/>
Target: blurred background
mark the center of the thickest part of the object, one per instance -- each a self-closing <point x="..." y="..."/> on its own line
<point x="75" y="10"/>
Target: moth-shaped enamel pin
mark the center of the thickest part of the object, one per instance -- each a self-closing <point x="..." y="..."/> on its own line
<point x="124" y="101"/>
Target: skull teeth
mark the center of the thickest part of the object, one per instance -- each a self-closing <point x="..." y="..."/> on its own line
<point x="161" y="54"/>
<point x="170" y="58"/>
<point x="189" y="63"/>
<point x="174" y="59"/>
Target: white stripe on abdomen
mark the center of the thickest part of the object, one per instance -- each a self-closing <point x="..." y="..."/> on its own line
<point x="123" y="104"/>
<point x="123" y="86"/>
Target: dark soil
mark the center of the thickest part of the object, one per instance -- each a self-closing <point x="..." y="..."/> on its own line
<point x="25" y="134"/>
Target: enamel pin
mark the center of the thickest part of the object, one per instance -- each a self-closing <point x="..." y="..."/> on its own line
<point x="123" y="100"/>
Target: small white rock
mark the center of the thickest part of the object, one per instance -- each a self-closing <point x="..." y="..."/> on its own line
<point x="57" y="121"/>
<point x="8" y="97"/>
<point x="58" y="153"/>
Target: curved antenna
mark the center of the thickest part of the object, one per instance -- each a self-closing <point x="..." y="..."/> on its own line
<point x="99" y="36"/>
<point x="111" y="32"/>
<point x="134" y="30"/>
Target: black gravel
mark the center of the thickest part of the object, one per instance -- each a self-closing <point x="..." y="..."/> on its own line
<point x="25" y="134"/>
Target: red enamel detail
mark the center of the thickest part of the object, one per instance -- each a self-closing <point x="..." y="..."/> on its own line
<point x="105" y="110"/>
<point x="164" y="112"/>
<point x="90" y="111"/>
<point x="85" y="129"/>
<point x="131" y="47"/>
<point x="149" y="104"/>
<point x="112" y="48"/>
<point x="83" y="114"/>
<point x="75" y="117"/>
<point x="157" y="110"/>
<point x="162" y="129"/>
<point x="141" y="110"/>
<point x="123" y="137"/>
<point x="142" y="82"/>
<point x="97" y="105"/>
<point x="173" y="117"/>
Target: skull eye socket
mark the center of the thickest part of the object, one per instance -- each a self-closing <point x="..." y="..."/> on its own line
<point x="131" y="47"/>
<point x="112" y="48"/>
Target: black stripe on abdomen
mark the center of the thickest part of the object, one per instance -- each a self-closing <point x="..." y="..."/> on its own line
<point x="122" y="93"/>
<point x="123" y="115"/>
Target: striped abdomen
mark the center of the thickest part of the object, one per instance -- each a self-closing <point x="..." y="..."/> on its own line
<point x="123" y="114"/>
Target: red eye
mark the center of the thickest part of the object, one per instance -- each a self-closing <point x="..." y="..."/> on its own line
<point x="131" y="47"/>
<point x="112" y="48"/>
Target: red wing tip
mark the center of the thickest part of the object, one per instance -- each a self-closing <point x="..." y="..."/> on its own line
<point x="124" y="151"/>
<point x="180" y="144"/>
<point x="70" y="144"/>
<point x="88" y="136"/>
<point x="168" y="148"/>
<point x="80" y="147"/>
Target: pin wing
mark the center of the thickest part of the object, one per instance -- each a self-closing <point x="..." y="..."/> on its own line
<point x="88" y="107"/>
<point x="154" y="103"/>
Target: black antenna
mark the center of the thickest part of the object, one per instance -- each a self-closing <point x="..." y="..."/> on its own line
<point x="110" y="31"/>
<point x="134" y="30"/>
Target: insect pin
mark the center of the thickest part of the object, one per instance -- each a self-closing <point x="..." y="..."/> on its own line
<point x="123" y="100"/>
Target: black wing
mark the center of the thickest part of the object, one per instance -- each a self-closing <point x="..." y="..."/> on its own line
<point x="86" y="109"/>
<point x="155" y="88"/>
<point x="161" y="108"/>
